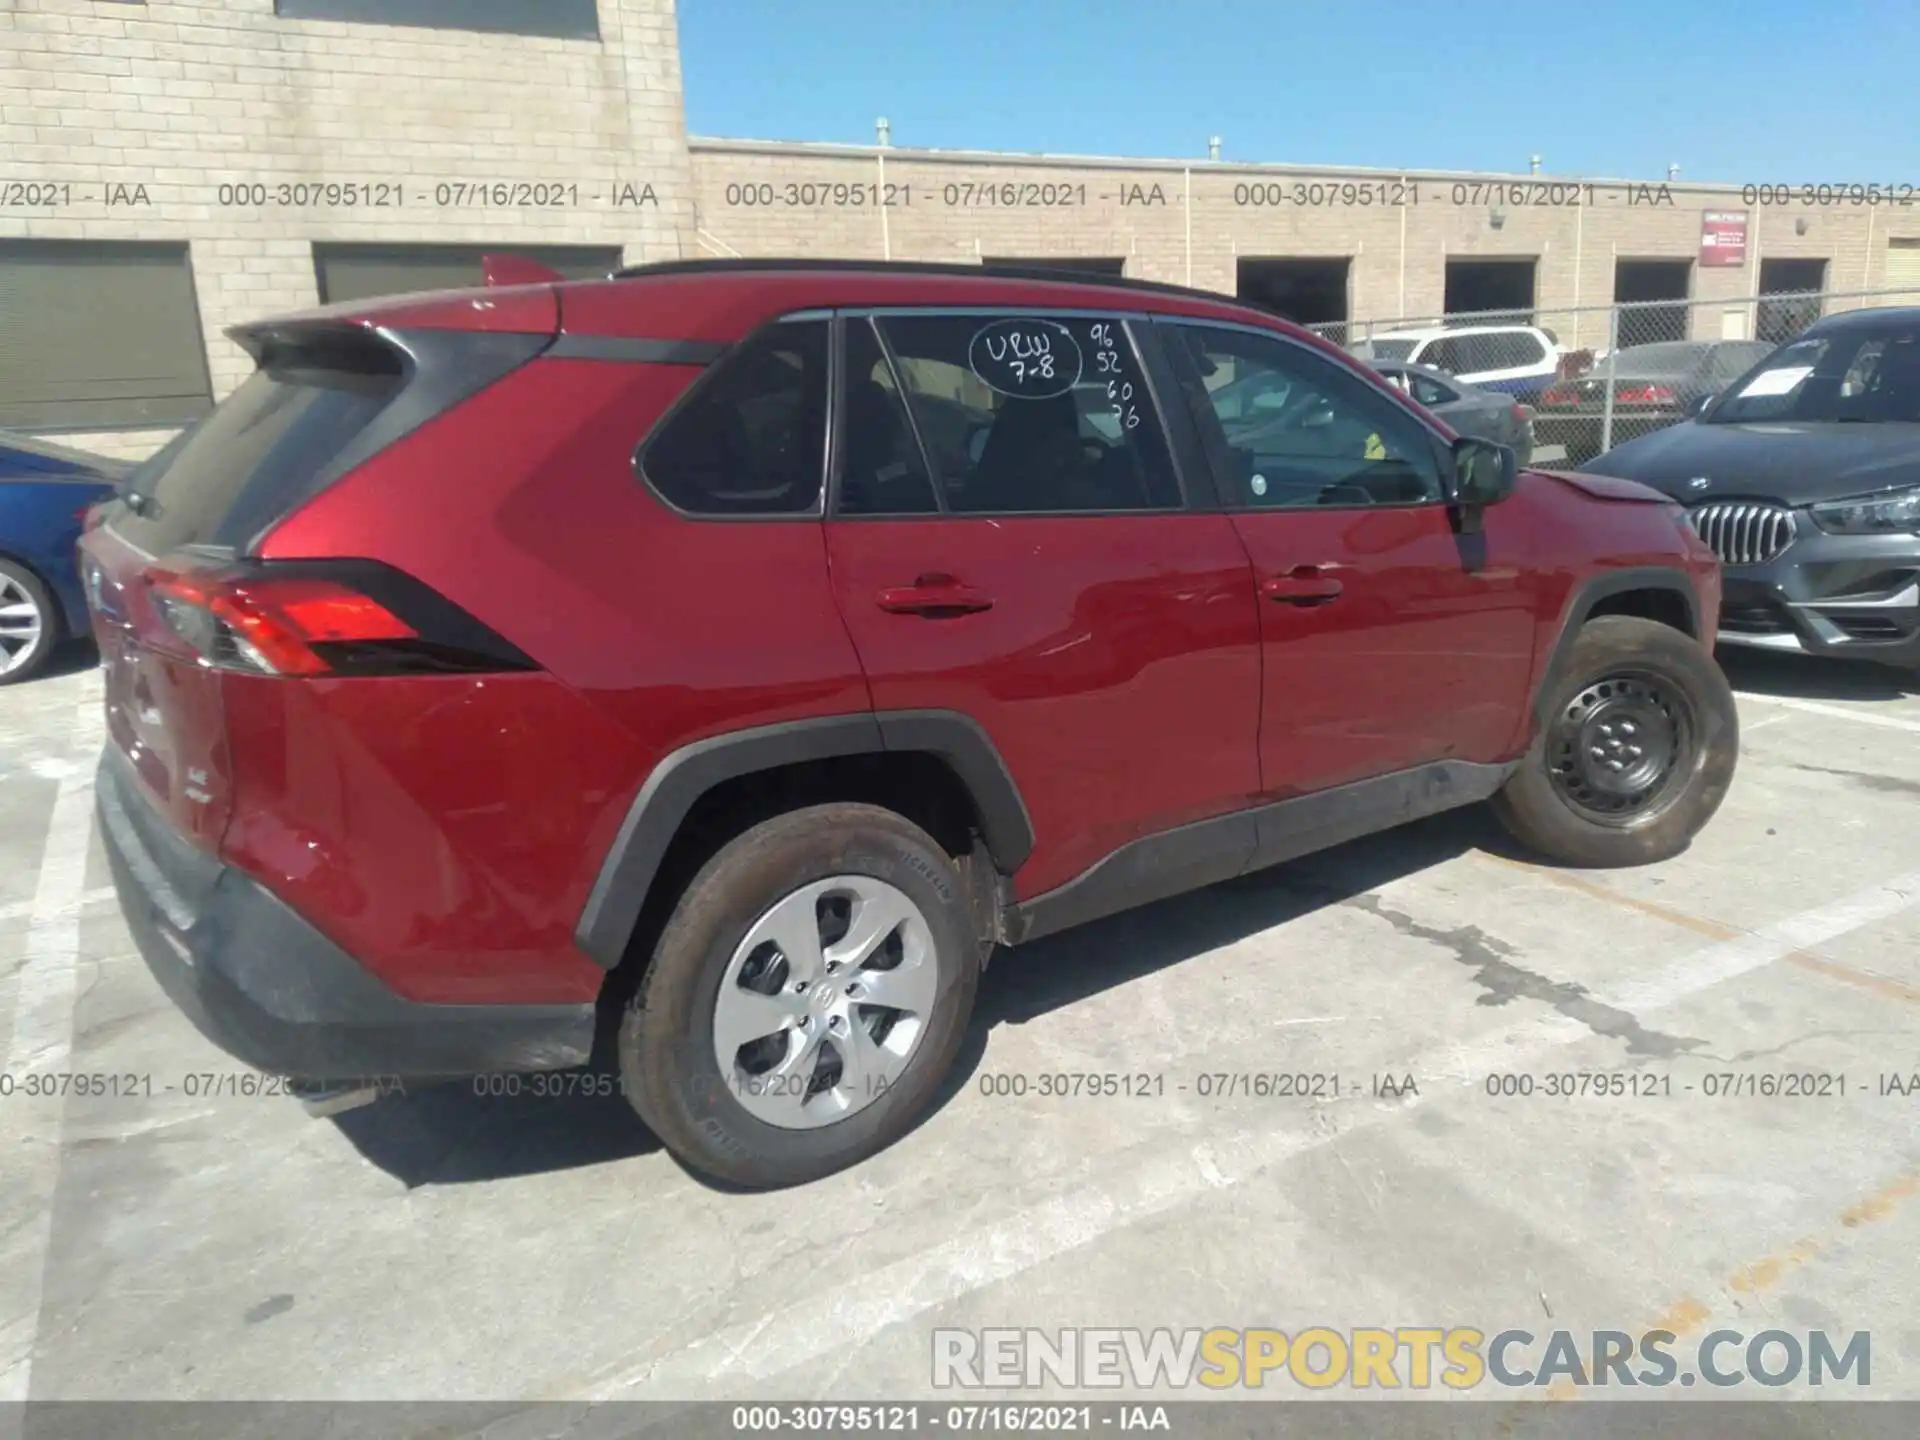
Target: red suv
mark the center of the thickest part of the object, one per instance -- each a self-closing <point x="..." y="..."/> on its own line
<point x="742" y="651"/>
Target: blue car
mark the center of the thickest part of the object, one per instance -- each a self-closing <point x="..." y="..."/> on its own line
<point x="45" y="492"/>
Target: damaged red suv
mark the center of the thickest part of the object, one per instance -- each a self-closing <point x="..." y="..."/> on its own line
<point x="740" y="652"/>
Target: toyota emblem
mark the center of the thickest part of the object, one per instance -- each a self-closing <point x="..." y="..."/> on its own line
<point x="1699" y="482"/>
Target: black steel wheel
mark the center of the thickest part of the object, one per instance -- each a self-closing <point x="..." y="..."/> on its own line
<point x="1635" y="750"/>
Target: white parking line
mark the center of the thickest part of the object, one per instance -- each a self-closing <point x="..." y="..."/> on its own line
<point x="42" y="1039"/>
<point x="20" y="909"/>
<point x="838" y="1320"/>
<point x="1838" y="712"/>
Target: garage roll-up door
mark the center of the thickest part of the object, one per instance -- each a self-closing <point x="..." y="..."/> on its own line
<point x="1903" y="267"/>
<point x="567" y="19"/>
<point x="99" y="335"/>
<point x="364" y="272"/>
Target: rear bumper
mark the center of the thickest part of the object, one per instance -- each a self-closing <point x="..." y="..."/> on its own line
<point x="272" y="991"/>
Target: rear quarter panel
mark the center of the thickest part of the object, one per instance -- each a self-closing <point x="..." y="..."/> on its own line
<point x="499" y="798"/>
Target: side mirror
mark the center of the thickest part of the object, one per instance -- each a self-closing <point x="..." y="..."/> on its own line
<point x="1699" y="406"/>
<point x="1483" y="473"/>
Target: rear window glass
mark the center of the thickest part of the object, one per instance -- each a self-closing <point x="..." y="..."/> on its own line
<point x="260" y="450"/>
<point x="1671" y="358"/>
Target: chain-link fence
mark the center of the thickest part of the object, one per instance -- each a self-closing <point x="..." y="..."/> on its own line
<point x="1597" y="376"/>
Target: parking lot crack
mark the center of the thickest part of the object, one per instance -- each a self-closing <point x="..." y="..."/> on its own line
<point x="1503" y="981"/>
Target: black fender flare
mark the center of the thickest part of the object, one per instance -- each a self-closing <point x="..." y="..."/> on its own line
<point x="678" y="781"/>
<point x="1587" y="596"/>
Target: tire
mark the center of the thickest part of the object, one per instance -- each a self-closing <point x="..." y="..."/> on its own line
<point x="20" y="586"/>
<point x="669" y="1042"/>
<point x="1555" y="804"/>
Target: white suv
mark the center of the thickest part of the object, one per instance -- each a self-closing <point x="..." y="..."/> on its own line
<point x="1517" y="360"/>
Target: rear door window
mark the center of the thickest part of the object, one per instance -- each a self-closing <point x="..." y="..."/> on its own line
<point x="1033" y="413"/>
<point x="882" y="469"/>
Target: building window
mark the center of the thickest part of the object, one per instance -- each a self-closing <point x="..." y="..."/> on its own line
<point x="366" y="272"/>
<point x="99" y="335"/>
<point x="565" y="19"/>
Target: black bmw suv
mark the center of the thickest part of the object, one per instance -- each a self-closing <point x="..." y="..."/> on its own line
<point x="1804" y="476"/>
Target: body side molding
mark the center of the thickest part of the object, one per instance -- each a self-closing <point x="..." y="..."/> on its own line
<point x="1155" y="867"/>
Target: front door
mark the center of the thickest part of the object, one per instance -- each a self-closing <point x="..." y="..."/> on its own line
<point x="1389" y="641"/>
<point x="1015" y="544"/>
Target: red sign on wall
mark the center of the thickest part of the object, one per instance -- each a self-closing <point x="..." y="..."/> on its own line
<point x="1723" y="237"/>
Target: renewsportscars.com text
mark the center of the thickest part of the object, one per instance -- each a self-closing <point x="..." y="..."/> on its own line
<point x="1398" y="1358"/>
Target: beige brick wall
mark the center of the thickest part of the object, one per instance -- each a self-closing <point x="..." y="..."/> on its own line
<point x="181" y="98"/>
<point x="770" y="199"/>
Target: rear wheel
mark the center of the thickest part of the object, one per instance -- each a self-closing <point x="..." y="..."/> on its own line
<point x="806" y="997"/>
<point x="1635" y="753"/>
<point x="29" y="624"/>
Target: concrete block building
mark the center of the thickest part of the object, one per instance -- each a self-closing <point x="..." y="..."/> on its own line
<point x="169" y="168"/>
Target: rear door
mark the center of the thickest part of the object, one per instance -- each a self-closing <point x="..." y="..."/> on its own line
<point x="1389" y="641"/>
<point x="1017" y="543"/>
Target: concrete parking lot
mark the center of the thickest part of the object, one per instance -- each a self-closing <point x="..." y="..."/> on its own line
<point x="188" y="1241"/>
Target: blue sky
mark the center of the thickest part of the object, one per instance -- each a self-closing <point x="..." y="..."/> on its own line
<point x="1745" y="91"/>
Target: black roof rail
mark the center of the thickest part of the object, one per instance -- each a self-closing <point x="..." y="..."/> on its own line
<point x="1061" y="276"/>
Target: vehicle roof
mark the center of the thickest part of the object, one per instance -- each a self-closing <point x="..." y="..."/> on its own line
<point x="1414" y="367"/>
<point x="1892" y="317"/>
<point x="1431" y="332"/>
<point x="723" y="300"/>
<point x="12" y="441"/>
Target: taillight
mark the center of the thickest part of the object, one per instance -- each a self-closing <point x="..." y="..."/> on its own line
<point x="1644" y="395"/>
<point x="1523" y="414"/>
<point x="1561" y="395"/>
<point x="308" y="618"/>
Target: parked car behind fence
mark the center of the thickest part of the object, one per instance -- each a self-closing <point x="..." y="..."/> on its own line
<point x="1653" y="386"/>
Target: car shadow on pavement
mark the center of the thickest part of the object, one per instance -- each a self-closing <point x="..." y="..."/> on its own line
<point x="1809" y="677"/>
<point x="70" y="657"/>
<point x="456" y="1134"/>
<point x="459" y="1133"/>
<point x="1034" y="980"/>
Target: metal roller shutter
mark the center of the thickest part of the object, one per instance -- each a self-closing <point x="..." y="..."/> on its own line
<point x="99" y="335"/>
<point x="564" y="19"/>
<point x="1903" y="265"/>
<point x="365" y="272"/>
